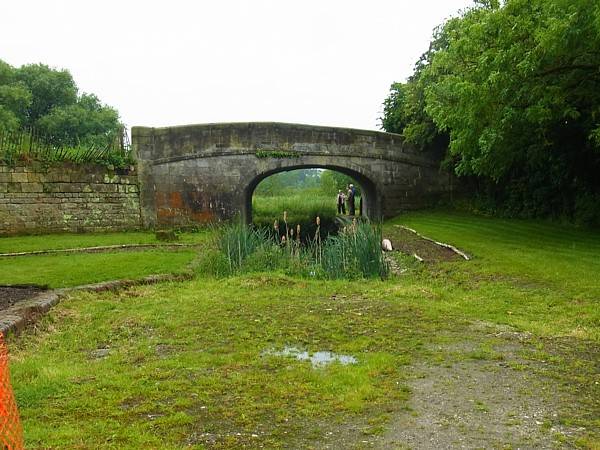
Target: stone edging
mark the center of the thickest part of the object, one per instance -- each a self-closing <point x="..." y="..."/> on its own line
<point x="100" y="249"/>
<point x="17" y="317"/>
<point x="441" y="244"/>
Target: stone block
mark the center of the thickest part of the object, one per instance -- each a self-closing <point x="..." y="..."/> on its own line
<point x="14" y="187"/>
<point x="34" y="177"/>
<point x="105" y="187"/>
<point x="111" y="178"/>
<point x="18" y="177"/>
<point x="32" y="187"/>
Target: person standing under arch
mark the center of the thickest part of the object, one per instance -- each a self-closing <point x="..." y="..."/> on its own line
<point x="341" y="202"/>
<point x="351" y="200"/>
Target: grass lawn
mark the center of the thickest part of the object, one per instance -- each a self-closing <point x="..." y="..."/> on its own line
<point x="83" y="268"/>
<point x="533" y="275"/>
<point x="195" y="364"/>
<point x="9" y="244"/>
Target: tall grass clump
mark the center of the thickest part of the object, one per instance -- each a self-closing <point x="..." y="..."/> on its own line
<point x="238" y="242"/>
<point x="354" y="253"/>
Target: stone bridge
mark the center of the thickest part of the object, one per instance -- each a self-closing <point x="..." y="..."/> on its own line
<point x="200" y="173"/>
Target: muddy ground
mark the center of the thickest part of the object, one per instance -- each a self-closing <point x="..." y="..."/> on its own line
<point x="11" y="295"/>
<point x="411" y="244"/>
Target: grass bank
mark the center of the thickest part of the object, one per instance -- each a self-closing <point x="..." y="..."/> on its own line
<point x="67" y="270"/>
<point x="195" y="364"/>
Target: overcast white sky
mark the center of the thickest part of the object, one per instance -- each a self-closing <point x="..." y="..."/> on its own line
<point x="160" y="63"/>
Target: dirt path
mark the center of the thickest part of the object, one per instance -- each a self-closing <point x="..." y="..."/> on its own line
<point x="472" y="394"/>
<point x="474" y="398"/>
<point x="472" y="405"/>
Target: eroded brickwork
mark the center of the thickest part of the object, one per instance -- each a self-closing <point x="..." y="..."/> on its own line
<point x="76" y="198"/>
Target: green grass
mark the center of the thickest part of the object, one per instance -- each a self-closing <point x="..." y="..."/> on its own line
<point x="308" y="204"/>
<point x="560" y="256"/>
<point x="63" y="241"/>
<point x="84" y="268"/>
<point x="301" y="209"/>
<point x="540" y="277"/>
<point x="187" y="358"/>
<point x="186" y="363"/>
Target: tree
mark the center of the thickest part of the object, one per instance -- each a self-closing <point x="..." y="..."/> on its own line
<point x="86" y="121"/>
<point x="332" y="182"/>
<point x="49" y="89"/>
<point x="517" y="89"/>
<point x="37" y="96"/>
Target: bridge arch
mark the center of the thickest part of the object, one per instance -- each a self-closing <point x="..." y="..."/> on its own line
<point x="199" y="173"/>
<point x="371" y="198"/>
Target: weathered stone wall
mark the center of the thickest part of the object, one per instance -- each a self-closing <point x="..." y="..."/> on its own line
<point x="198" y="173"/>
<point x="68" y="197"/>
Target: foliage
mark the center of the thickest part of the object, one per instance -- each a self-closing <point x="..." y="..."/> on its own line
<point x="354" y="253"/>
<point x="302" y="208"/>
<point x="332" y="182"/>
<point x="355" y="250"/>
<point x="306" y="181"/>
<point x="37" y="96"/>
<point x="276" y="154"/>
<point x="515" y="87"/>
<point x="288" y="182"/>
<point x="239" y="241"/>
<point x="28" y="145"/>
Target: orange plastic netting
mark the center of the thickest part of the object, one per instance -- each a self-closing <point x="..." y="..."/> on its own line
<point x="11" y="433"/>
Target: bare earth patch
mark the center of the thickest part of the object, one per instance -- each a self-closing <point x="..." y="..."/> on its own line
<point x="412" y="244"/>
<point x="476" y="398"/>
<point x="11" y="295"/>
<point x="474" y="404"/>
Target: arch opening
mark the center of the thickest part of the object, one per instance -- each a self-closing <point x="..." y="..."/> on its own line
<point x="305" y="192"/>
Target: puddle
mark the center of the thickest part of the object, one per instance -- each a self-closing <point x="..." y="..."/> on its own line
<point x="317" y="359"/>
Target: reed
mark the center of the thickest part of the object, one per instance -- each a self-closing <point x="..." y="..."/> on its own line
<point x="354" y="253"/>
<point x="239" y="241"/>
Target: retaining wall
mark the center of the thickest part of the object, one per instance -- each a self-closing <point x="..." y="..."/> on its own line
<point x="67" y="197"/>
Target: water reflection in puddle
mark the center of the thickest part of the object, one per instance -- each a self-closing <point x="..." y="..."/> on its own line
<point x="317" y="359"/>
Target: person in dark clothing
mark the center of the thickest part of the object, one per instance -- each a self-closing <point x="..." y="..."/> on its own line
<point x="351" y="200"/>
<point x="341" y="202"/>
